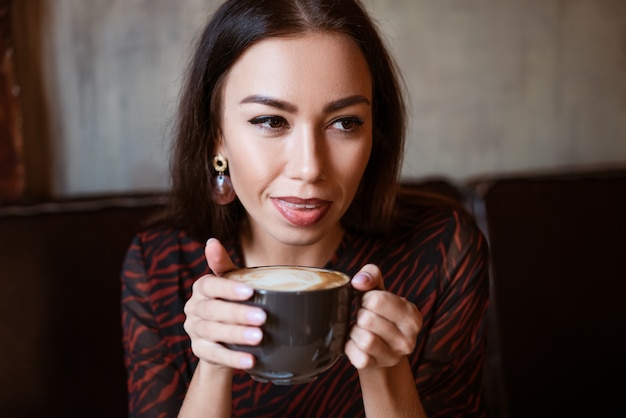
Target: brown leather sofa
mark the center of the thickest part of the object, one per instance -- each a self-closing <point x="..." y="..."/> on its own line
<point x="556" y="341"/>
<point x="558" y="290"/>
<point x="61" y="353"/>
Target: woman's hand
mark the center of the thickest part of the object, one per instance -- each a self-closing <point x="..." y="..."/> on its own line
<point x="386" y="325"/>
<point x="212" y="317"/>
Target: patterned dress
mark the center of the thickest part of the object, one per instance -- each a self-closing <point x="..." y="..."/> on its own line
<point x="438" y="262"/>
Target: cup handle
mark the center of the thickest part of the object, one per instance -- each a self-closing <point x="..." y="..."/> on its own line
<point x="356" y="298"/>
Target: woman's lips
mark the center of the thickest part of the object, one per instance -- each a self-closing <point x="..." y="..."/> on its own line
<point x="301" y="212"/>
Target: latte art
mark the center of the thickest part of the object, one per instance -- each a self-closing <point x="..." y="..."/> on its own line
<point x="288" y="278"/>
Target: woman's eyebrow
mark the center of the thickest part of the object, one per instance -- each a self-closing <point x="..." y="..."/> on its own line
<point x="270" y="101"/>
<point x="345" y="102"/>
<point x="288" y="107"/>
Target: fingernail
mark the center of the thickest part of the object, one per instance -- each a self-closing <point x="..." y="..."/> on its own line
<point x="210" y="240"/>
<point x="257" y="316"/>
<point x="244" y="290"/>
<point x="361" y="278"/>
<point x="253" y="335"/>
<point x="245" y="362"/>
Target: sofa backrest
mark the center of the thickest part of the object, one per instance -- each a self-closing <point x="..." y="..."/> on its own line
<point x="558" y="247"/>
<point x="60" y="262"/>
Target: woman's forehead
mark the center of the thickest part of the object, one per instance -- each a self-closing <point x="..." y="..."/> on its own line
<point x="316" y="63"/>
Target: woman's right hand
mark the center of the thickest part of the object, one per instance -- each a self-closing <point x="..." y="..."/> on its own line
<point x="213" y="318"/>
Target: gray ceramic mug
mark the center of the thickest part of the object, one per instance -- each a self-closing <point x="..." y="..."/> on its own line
<point x="308" y="319"/>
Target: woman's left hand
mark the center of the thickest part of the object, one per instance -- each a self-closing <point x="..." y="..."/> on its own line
<point x="386" y="325"/>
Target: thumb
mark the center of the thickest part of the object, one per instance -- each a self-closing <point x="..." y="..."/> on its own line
<point x="217" y="257"/>
<point x="368" y="278"/>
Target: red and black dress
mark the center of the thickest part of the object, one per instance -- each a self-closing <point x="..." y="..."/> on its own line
<point x="439" y="263"/>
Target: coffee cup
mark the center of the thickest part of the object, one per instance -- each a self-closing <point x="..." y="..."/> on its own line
<point x="308" y="319"/>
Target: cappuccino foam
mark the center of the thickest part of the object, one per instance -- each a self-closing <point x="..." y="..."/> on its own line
<point x="288" y="278"/>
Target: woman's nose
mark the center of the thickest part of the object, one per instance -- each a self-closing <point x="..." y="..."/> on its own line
<point x="306" y="155"/>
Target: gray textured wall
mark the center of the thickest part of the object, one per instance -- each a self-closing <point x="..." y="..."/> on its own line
<point x="508" y="85"/>
<point x="495" y="85"/>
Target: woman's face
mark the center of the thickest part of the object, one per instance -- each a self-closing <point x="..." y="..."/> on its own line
<point x="297" y="133"/>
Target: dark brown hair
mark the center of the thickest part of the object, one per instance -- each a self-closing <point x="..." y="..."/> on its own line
<point x="234" y="27"/>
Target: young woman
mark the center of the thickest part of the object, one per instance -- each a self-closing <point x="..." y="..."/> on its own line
<point x="288" y="150"/>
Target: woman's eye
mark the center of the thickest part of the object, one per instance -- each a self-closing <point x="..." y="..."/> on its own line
<point x="269" y="122"/>
<point x="347" y="124"/>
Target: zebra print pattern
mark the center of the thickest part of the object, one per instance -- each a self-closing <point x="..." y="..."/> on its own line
<point x="440" y="264"/>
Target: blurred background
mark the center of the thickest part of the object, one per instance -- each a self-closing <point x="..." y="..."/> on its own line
<point x="494" y="86"/>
